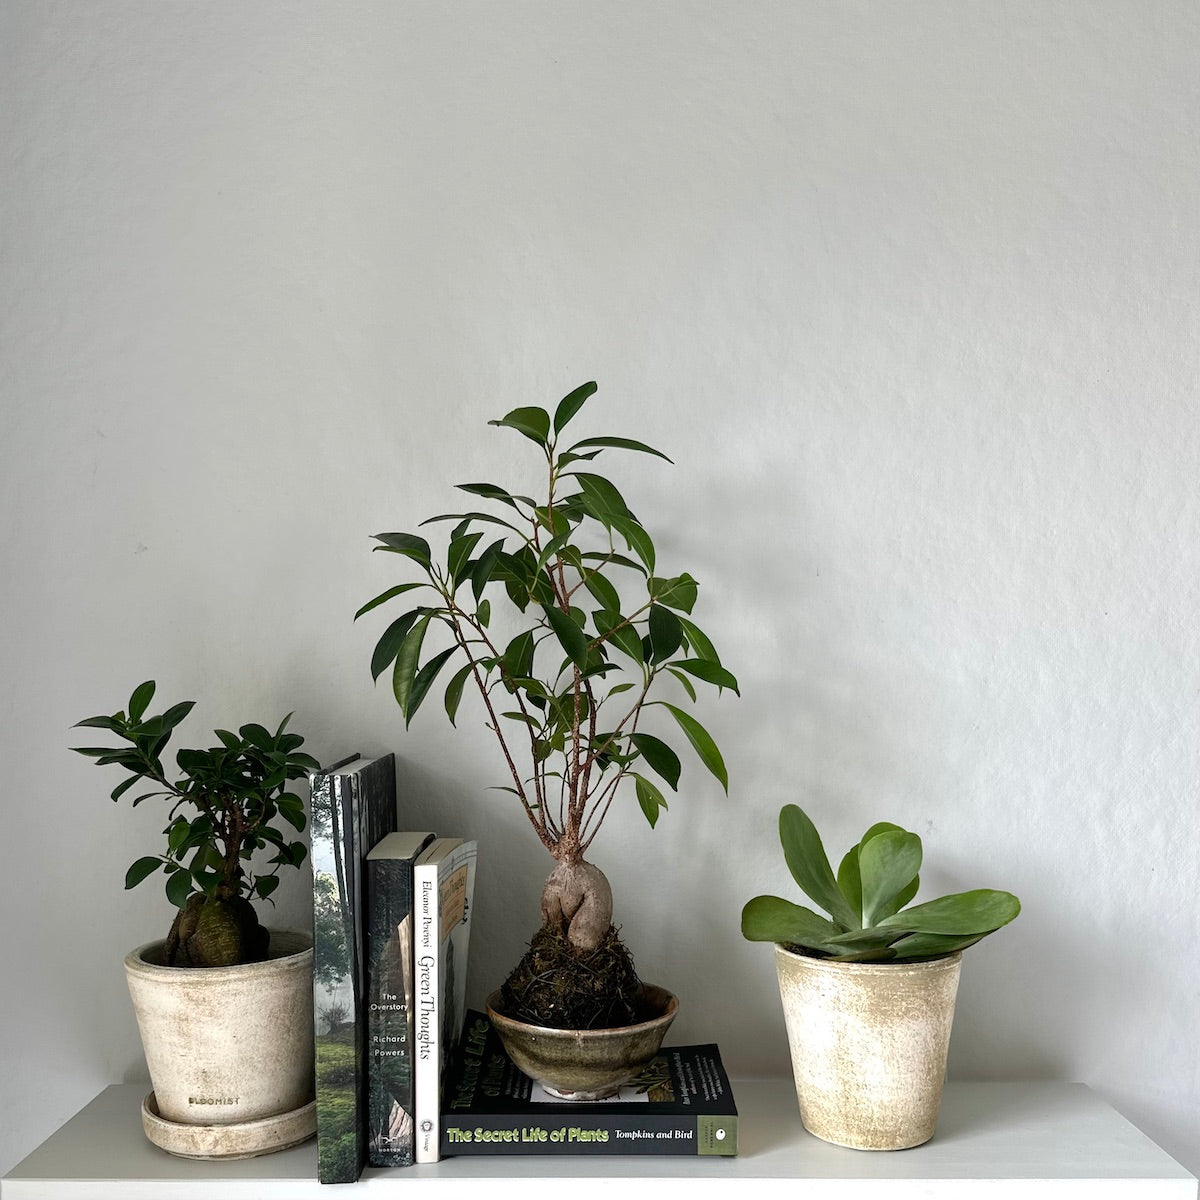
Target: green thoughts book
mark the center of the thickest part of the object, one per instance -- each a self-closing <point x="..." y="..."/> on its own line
<point x="681" y="1103"/>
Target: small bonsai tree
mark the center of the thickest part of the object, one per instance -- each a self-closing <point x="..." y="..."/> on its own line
<point x="568" y="695"/>
<point x="224" y="808"/>
<point x="868" y="920"/>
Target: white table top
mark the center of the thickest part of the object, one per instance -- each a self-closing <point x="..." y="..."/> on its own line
<point x="1027" y="1140"/>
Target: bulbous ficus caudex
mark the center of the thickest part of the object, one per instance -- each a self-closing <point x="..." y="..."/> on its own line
<point x="568" y="697"/>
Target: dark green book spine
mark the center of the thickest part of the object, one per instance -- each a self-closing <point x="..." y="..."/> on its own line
<point x="389" y="1012"/>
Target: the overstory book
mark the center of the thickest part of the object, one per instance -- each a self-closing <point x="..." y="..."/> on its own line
<point x="444" y="886"/>
<point x="353" y="806"/>
<point x="390" y="998"/>
<point x="680" y="1104"/>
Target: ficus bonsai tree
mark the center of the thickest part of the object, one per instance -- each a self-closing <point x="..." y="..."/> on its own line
<point x="866" y="901"/>
<point x="224" y="807"/>
<point x="568" y="696"/>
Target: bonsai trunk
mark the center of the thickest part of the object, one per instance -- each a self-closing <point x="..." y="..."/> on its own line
<point x="577" y="903"/>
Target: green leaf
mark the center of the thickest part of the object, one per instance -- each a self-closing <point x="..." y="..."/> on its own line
<point x="685" y="682"/>
<point x="483" y="614"/>
<point x="142" y="695"/>
<point x="485" y="565"/>
<point x="460" y="551"/>
<point x="612" y="629"/>
<point x="660" y="756"/>
<point x="109" y="723"/>
<point x="976" y="912"/>
<point x="389" y="644"/>
<point x="680" y="592"/>
<point x="849" y="881"/>
<point x="773" y="919"/>
<point x="179" y="887"/>
<point x="533" y="422"/>
<point x="932" y="945"/>
<point x="572" y="639"/>
<point x="702" y="743"/>
<point x="122" y="788"/>
<point x="490" y="518"/>
<point x="805" y="857"/>
<point x="887" y="863"/>
<point x="570" y="404"/>
<point x="603" y="591"/>
<point x="709" y="671"/>
<point x="408" y="544"/>
<point x="600" y="498"/>
<point x="454" y="691"/>
<point x="176" y="713"/>
<point x="264" y="885"/>
<point x="517" y="658"/>
<point x="666" y="634"/>
<point x="649" y="798"/>
<point x="384" y="597"/>
<point x="636" y="538"/>
<point x="618" y="443"/>
<point x="142" y="869"/>
<point x="405" y="673"/>
<point x="492" y="492"/>
<point x="424" y="680"/>
<point x="698" y="642"/>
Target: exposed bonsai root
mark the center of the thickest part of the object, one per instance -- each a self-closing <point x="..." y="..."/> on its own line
<point x="562" y="988"/>
<point x="577" y="901"/>
<point x="215" y="933"/>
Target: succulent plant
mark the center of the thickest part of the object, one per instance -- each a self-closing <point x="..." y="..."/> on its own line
<point x="868" y="920"/>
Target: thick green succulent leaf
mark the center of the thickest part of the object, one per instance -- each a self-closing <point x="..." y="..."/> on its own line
<point x="849" y="881"/>
<point x="805" y="856"/>
<point x="650" y="799"/>
<point x="533" y="422"/>
<point x="980" y="911"/>
<point x="570" y="404"/>
<point x="887" y="863"/>
<point x="662" y="759"/>
<point x="773" y="919"/>
<point x="702" y="743"/>
<point x="932" y="945"/>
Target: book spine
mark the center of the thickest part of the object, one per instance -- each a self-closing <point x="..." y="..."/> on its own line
<point x="593" y="1134"/>
<point x="339" y="1139"/>
<point x="389" y="1012"/>
<point x="427" y="1050"/>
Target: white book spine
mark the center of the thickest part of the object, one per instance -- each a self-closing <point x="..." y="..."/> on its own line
<point x="427" y="1018"/>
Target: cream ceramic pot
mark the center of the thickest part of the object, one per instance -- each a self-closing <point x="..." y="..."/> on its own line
<point x="227" y="1045"/>
<point x="869" y="1043"/>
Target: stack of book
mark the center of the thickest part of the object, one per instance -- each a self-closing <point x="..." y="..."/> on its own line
<point x="391" y="930"/>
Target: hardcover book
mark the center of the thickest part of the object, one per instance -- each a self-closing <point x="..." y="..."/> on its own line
<point x="353" y="805"/>
<point x="681" y="1103"/>
<point x="390" y="998"/>
<point x="444" y="886"/>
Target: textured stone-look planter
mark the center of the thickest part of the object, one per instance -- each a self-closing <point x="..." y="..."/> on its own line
<point x="869" y="1044"/>
<point x="585" y="1064"/>
<point x="228" y="1046"/>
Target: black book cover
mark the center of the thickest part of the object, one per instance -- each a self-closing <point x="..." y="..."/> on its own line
<point x="681" y="1103"/>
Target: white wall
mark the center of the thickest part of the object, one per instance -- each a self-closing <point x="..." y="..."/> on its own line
<point x="908" y="291"/>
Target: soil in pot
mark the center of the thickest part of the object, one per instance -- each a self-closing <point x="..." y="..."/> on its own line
<point x="560" y="986"/>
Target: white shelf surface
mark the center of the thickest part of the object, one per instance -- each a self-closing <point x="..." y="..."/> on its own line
<point x="1035" y="1141"/>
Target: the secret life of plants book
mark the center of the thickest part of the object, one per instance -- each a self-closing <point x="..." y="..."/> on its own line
<point x="353" y="805"/>
<point x="390" y="998"/>
<point x="444" y="887"/>
<point x="681" y="1104"/>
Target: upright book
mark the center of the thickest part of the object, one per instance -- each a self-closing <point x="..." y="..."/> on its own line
<point x="444" y="886"/>
<point x="681" y="1103"/>
<point x="390" y="998"/>
<point x="353" y="806"/>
